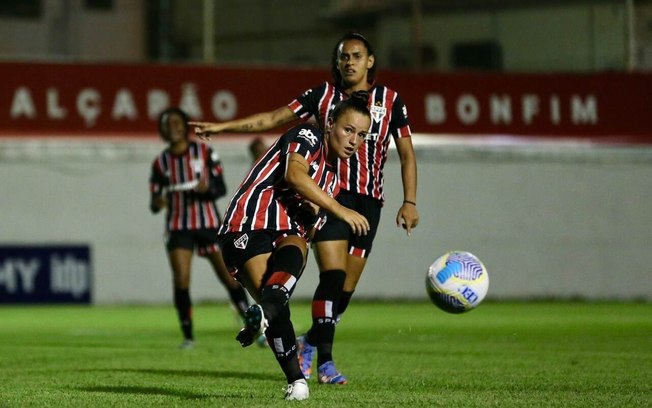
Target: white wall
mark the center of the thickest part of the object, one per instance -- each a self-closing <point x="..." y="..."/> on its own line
<point x="547" y="221"/>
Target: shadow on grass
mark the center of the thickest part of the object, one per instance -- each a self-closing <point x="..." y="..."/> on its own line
<point x="243" y="375"/>
<point x="145" y="391"/>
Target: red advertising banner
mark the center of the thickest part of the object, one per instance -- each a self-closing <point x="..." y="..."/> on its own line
<point x="94" y="99"/>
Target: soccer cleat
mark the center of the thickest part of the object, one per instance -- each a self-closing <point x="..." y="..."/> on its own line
<point x="328" y="374"/>
<point x="187" y="344"/>
<point x="254" y="325"/>
<point x="306" y="353"/>
<point x="297" y="391"/>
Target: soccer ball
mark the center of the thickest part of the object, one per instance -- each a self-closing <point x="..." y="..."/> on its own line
<point x="457" y="282"/>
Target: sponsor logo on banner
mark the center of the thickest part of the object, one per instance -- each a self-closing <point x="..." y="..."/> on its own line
<point x="45" y="274"/>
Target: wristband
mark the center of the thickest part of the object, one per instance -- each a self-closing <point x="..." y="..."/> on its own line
<point x="409" y="202"/>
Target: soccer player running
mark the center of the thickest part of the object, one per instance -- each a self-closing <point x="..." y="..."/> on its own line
<point x="186" y="179"/>
<point x="340" y="254"/>
<point x="274" y="213"/>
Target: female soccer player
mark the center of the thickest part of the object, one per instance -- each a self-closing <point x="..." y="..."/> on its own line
<point x="186" y="179"/>
<point x="340" y="254"/>
<point x="274" y="213"/>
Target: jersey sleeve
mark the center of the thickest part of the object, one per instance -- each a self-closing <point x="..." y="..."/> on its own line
<point x="305" y="140"/>
<point x="307" y="104"/>
<point x="217" y="185"/>
<point x="157" y="184"/>
<point x="399" y="125"/>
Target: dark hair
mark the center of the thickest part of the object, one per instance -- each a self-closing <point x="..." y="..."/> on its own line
<point x="352" y="35"/>
<point x="164" y="125"/>
<point x="358" y="102"/>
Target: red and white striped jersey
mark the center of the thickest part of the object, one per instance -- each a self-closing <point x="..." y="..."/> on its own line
<point x="363" y="172"/>
<point x="176" y="176"/>
<point x="263" y="200"/>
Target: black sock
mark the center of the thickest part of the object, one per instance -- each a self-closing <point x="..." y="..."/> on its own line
<point x="324" y="311"/>
<point x="286" y="269"/>
<point x="344" y="303"/>
<point x="239" y="299"/>
<point x="282" y="341"/>
<point x="184" y="310"/>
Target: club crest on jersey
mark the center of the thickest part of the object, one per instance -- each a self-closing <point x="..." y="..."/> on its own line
<point x="378" y="112"/>
<point x="241" y="242"/>
<point x="308" y="135"/>
<point x="197" y="165"/>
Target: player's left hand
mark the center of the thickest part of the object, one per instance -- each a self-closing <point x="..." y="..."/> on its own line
<point x="202" y="187"/>
<point x="407" y="217"/>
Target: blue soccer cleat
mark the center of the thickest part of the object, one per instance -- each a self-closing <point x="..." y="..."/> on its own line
<point x="306" y="353"/>
<point x="328" y="374"/>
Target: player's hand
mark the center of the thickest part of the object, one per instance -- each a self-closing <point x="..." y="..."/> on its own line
<point x="204" y="130"/>
<point x="407" y="217"/>
<point x="202" y="187"/>
<point x="356" y="221"/>
<point x="160" y="202"/>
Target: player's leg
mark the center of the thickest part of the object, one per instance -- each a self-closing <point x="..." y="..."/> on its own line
<point x="359" y="249"/>
<point x="273" y="289"/>
<point x="180" y="261"/>
<point x="276" y="286"/>
<point x="354" y="267"/>
<point x="236" y="291"/>
<point x="331" y="258"/>
<point x="288" y="262"/>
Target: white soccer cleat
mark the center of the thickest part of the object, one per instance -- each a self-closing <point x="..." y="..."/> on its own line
<point x="187" y="344"/>
<point x="297" y="391"/>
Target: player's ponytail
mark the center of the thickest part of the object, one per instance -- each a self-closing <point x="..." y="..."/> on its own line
<point x="358" y="101"/>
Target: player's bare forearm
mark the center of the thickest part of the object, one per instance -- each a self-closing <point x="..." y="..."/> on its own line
<point x="408" y="169"/>
<point x="259" y="122"/>
<point x="408" y="214"/>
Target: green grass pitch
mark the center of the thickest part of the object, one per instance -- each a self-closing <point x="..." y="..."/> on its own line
<point x="541" y="354"/>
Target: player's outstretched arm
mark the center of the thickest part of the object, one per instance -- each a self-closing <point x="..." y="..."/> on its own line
<point x="259" y="122"/>
<point x="296" y="175"/>
<point x="408" y="215"/>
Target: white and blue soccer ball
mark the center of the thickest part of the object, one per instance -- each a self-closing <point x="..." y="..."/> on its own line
<point x="457" y="282"/>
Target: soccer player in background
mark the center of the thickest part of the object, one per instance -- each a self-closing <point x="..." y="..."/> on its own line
<point x="274" y="213"/>
<point x="257" y="148"/>
<point x="186" y="179"/>
<point x="340" y="254"/>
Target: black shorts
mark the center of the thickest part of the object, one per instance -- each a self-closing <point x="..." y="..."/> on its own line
<point x="239" y="247"/>
<point x="204" y="240"/>
<point x="338" y="230"/>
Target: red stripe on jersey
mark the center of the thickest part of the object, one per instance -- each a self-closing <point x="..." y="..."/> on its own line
<point x="266" y="198"/>
<point x="189" y="175"/>
<point x="176" y="196"/>
<point x="209" y="210"/>
<point x="238" y="215"/>
<point x="330" y="98"/>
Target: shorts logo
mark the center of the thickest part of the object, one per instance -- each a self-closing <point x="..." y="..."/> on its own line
<point x="241" y="243"/>
<point x="308" y="135"/>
